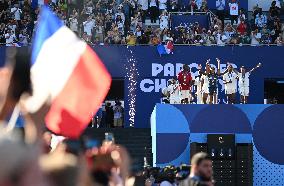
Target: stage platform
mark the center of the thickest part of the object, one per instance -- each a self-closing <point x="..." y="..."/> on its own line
<point x="175" y="127"/>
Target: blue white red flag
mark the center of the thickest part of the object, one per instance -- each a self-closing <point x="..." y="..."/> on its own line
<point x="67" y="73"/>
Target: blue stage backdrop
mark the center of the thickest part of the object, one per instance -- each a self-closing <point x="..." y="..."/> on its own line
<point x="154" y="71"/>
<point x="176" y="126"/>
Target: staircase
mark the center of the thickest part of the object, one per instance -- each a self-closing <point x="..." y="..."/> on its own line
<point x="137" y="141"/>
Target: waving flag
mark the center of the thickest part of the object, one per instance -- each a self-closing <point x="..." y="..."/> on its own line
<point x="166" y="49"/>
<point x="67" y="73"/>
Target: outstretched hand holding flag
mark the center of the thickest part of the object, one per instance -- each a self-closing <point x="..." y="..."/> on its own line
<point x="66" y="73"/>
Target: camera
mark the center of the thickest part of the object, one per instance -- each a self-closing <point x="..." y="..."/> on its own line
<point x="168" y="173"/>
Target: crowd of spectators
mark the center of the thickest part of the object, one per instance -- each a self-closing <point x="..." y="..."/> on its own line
<point x="135" y="22"/>
<point x="261" y="29"/>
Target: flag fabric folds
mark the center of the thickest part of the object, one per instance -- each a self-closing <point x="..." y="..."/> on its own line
<point x="68" y="74"/>
<point x="165" y="49"/>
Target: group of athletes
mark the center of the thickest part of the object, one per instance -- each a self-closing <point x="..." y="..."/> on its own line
<point x="206" y="83"/>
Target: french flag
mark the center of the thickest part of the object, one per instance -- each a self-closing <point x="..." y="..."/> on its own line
<point x="166" y="49"/>
<point x="66" y="73"/>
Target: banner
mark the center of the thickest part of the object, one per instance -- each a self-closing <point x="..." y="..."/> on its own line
<point x="188" y="21"/>
<point x="245" y="4"/>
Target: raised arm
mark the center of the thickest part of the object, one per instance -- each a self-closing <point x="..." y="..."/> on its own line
<point x="235" y="70"/>
<point x="207" y="67"/>
<point x="218" y="67"/>
<point x="253" y="69"/>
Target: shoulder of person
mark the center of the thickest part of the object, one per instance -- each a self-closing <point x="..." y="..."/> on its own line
<point x="190" y="182"/>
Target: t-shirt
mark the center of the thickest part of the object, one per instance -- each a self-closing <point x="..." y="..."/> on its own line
<point x="234" y="8"/>
<point x="230" y="77"/>
<point x="144" y="4"/>
<point x="153" y="3"/>
<point x="173" y="90"/>
<point x="117" y="112"/>
<point x="213" y="80"/>
<point x="278" y="4"/>
<point x="139" y="33"/>
<point x="184" y="79"/>
<point x="205" y="82"/>
<point x="198" y="3"/>
<point x="254" y="40"/>
<point x="10" y="38"/>
<point x="17" y="13"/>
<point x="13" y="27"/>
<point x="23" y="39"/>
<point x="244" y="79"/>
<point x="260" y="20"/>
<point x="88" y="26"/>
<point x="164" y="22"/>
<point x="162" y="4"/>
<point x="74" y="24"/>
<point x="197" y="82"/>
<point x="220" y="4"/>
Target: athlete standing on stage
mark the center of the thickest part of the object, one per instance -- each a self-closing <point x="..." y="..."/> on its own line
<point x="198" y="84"/>
<point x="211" y="83"/>
<point x="205" y="82"/>
<point x="174" y="90"/>
<point x="243" y="77"/>
<point x="185" y="80"/>
<point x="213" y="86"/>
<point x="230" y="82"/>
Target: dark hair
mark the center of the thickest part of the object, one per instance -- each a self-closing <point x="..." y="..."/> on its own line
<point x="199" y="157"/>
<point x="186" y="67"/>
